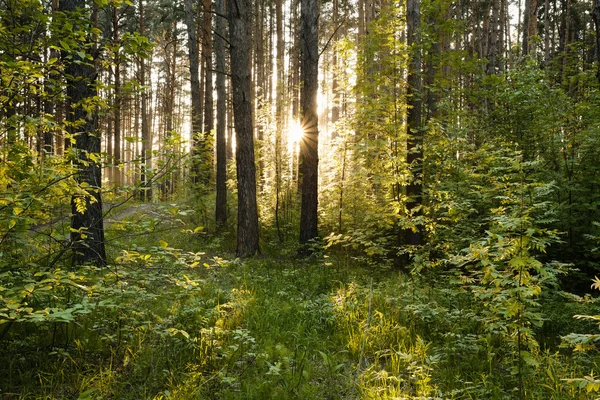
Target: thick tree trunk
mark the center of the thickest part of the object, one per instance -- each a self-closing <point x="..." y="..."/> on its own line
<point x="87" y="229"/>
<point x="221" y="206"/>
<point x="239" y="12"/>
<point x="414" y="149"/>
<point x="309" y="145"/>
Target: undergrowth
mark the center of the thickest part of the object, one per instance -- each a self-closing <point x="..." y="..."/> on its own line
<point x="176" y="317"/>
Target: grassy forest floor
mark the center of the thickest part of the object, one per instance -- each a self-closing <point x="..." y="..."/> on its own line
<point x="175" y="316"/>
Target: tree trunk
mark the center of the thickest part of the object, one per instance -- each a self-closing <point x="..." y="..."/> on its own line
<point x="596" y="17"/>
<point x="87" y="229"/>
<point x="309" y="145"/>
<point x="335" y="98"/>
<point x="529" y="25"/>
<point x="547" y="31"/>
<point x="146" y="161"/>
<point x="207" y="138"/>
<point x="414" y="146"/>
<point x="221" y="206"/>
<point x="117" y="99"/>
<point x="239" y="13"/>
<point x="195" y="86"/>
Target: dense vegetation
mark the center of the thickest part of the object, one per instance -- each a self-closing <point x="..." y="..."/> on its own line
<point x="458" y="210"/>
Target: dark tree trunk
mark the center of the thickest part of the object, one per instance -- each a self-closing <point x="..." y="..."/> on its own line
<point x="195" y="86"/>
<point x="221" y="206"/>
<point x="414" y="149"/>
<point x="596" y="17"/>
<point x="529" y="25"/>
<point x="309" y="145"/>
<point x="335" y="108"/>
<point x="117" y="99"/>
<point x="87" y="232"/>
<point x="239" y="13"/>
<point x="295" y="62"/>
<point x="146" y="193"/>
<point x="229" y="122"/>
<point x="207" y="138"/>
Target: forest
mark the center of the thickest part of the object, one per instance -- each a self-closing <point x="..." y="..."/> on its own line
<point x="299" y="199"/>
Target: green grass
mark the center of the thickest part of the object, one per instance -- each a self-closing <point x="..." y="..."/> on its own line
<point x="176" y="317"/>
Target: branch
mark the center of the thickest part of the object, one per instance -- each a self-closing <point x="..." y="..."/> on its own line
<point x="331" y="37"/>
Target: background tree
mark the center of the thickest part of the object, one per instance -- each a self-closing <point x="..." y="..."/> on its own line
<point x="414" y="144"/>
<point x="221" y="186"/>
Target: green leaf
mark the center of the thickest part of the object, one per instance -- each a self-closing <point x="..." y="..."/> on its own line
<point x="65" y="45"/>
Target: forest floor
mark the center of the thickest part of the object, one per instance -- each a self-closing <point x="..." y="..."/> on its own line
<point x="176" y="316"/>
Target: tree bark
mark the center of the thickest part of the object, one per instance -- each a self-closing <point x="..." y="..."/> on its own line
<point x="414" y="148"/>
<point x="87" y="229"/>
<point x="221" y="201"/>
<point x="117" y="99"/>
<point x="195" y="86"/>
<point x="146" y="193"/>
<point x="207" y="136"/>
<point x="239" y="13"/>
<point x="529" y="25"/>
<point x="596" y="18"/>
<point x="309" y="145"/>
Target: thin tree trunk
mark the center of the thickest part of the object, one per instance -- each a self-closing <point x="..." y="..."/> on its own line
<point x="195" y="87"/>
<point x="529" y="25"/>
<point x="414" y="147"/>
<point x="206" y="174"/>
<point x="146" y="161"/>
<point x="566" y="33"/>
<point x="117" y="99"/>
<point x="335" y="106"/>
<point x="221" y="201"/>
<point x="596" y="18"/>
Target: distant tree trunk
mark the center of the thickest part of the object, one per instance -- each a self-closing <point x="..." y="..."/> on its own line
<point x="87" y="229"/>
<point x="414" y="149"/>
<point x="48" y="134"/>
<point x="494" y="33"/>
<point x="295" y="62"/>
<point x="229" y="121"/>
<point x="279" y="115"/>
<point x="195" y="86"/>
<point x="596" y="17"/>
<point x="117" y="98"/>
<point x="207" y="136"/>
<point x="239" y="14"/>
<point x="529" y="25"/>
<point x="146" y="155"/>
<point x="547" y="31"/>
<point x="309" y="145"/>
<point x="335" y="101"/>
<point x="221" y="206"/>
<point x="261" y="88"/>
<point x="565" y="32"/>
